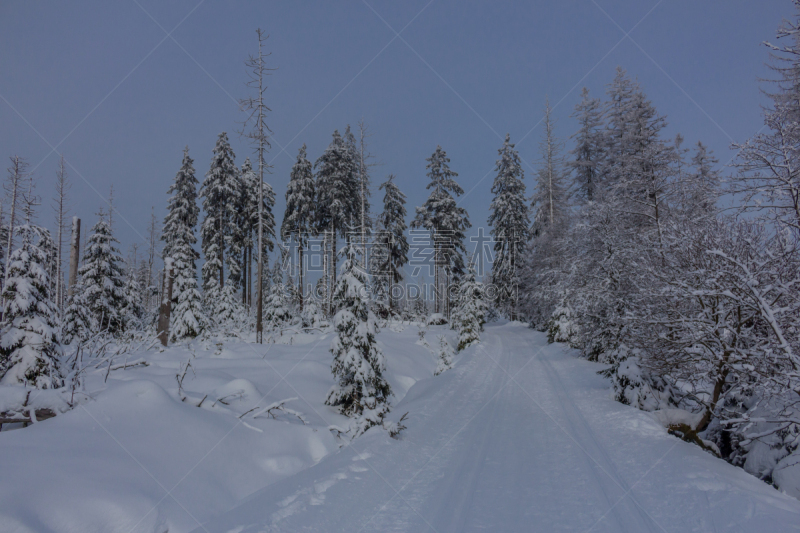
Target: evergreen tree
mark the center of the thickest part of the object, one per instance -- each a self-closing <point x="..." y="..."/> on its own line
<point x="220" y="193"/>
<point x="701" y="187"/>
<point x="441" y="215"/>
<point x="550" y="198"/>
<point x="471" y="312"/>
<point x="187" y="317"/>
<point x="445" y="356"/>
<point x="276" y="307"/>
<point x="337" y="194"/>
<point x="132" y="309"/>
<point x="30" y="341"/>
<point x="77" y="322"/>
<point x="183" y="211"/>
<point x="103" y="278"/>
<point x="358" y="364"/>
<point x="510" y="225"/>
<point x="392" y="237"/>
<point x="298" y="219"/>
<point x="589" y="146"/>
<point x="359" y="181"/>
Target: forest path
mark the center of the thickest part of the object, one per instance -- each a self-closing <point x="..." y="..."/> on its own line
<point x="520" y="436"/>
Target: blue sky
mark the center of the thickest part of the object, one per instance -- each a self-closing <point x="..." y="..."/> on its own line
<point x="103" y="83"/>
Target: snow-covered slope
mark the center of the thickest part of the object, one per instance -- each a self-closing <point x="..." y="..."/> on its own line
<point x="137" y="459"/>
<point x="519" y="436"/>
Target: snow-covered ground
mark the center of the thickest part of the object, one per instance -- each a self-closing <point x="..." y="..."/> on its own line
<point x="519" y="436"/>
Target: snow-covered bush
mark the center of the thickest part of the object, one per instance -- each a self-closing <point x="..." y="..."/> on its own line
<point x="445" y="356"/>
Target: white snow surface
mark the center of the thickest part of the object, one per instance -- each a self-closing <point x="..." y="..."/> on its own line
<point x="518" y="436"/>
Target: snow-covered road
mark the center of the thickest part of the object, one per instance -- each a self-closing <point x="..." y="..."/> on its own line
<point x="519" y="436"/>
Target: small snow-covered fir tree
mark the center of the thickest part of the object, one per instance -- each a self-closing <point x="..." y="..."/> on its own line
<point x="276" y="308"/>
<point x="312" y="316"/>
<point x="471" y="311"/>
<point x="360" y="391"/>
<point x="445" y="356"/>
<point x="77" y="321"/>
<point x="103" y="279"/>
<point x="227" y="308"/>
<point x="30" y="342"/>
<point x="132" y="309"/>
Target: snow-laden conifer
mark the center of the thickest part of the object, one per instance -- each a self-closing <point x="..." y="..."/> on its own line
<point x="277" y="306"/>
<point x="103" y="278"/>
<point x="471" y="311"/>
<point x="510" y="223"/>
<point x="446" y="221"/>
<point x="392" y="237"/>
<point x="298" y="219"/>
<point x="132" y="309"/>
<point x="30" y="342"/>
<point x="77" y="320"/>
<point x="550" y="197"/>
<point x="360" y="391"/>
<point x="445" y="356"/>
<point x="589" y="147"/>
<point x="337" y="200"/>
<point x="220" y="192"/>
<point x="187" y="317"/>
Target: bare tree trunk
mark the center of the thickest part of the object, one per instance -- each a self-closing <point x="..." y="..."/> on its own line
<point x="17" y="176"/>
<point x="300" y="276"/>
<point x="244" y="277"/>
<point x="152" y="230"/>
<point x="74" y="253"/>
<point x="62" y="185"/>
<point x="259" y="135"/>
<point x="166" y="303"/>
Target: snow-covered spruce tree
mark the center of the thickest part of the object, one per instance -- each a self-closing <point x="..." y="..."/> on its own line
<point x="360" y="181"/>
<point x="220" y="192"/>
<point x="132" y="310"/>
<point x="276" y="306"/>
<point x="361" y="391"/>
<point x="510" y="225"/>
<point x="550" y="212"/>
<point x="702" y="185"/>
<point x="446" y="221"/>
<point x="187" y="317"/>
<point x="77" y="321"/>
<point x="30" y="342"/>
<point x="550" y="198"/>
<point x="103" y="279"/>
<point x="589" y="147"/>
<point x="471" y="311"/>
<point x="298" y="219"/>
<point x="445" y="356"/>
<point x="392" y="238"/>
<point x="380" y="280"/>
<point x="337" y="190"/>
